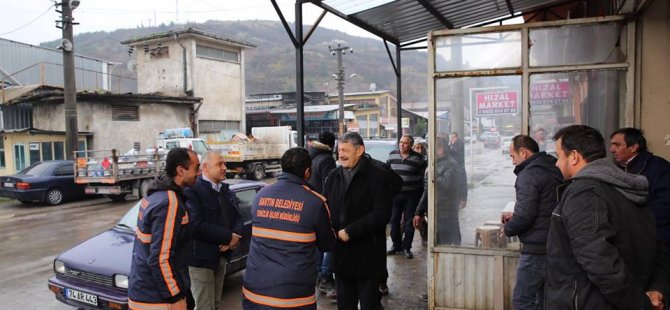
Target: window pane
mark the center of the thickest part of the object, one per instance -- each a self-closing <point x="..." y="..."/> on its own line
<point x="577" y="44"/>
<point x="59" y="150"/>
<point x="46" y="151"/>
<point x="478" y="51"/>
<point x="244" y="199"/>
<point x="488" y="108"/>
<point x="34" y="156"/>
<point x="590" y="98"/>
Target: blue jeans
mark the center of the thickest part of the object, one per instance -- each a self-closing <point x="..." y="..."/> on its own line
<point x="530" y="277"/>
<point x="323" y="263"/>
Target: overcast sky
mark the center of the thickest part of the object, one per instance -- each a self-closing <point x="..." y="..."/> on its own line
<point x="33" y="21"/>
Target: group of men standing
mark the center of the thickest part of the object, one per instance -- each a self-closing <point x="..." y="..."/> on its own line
<point x="594" y="232"/>
<point x="589" y="229"/>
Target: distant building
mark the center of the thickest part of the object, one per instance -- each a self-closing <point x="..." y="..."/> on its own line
<point x="192" y="62"/>
<point x="33" y="126"/>
<point x="372" y="114"/>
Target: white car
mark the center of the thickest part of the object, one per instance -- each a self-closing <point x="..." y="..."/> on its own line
<point x="505" y="144"/>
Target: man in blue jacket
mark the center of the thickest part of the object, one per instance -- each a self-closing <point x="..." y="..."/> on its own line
<point x="289" y="221"/>
<point x="536" y="182"/>
<point x="159" y="271"/>
<point x="629" y="148"/>
<point x="217" y="226"/>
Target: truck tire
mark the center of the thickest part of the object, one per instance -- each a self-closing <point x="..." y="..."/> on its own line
<point x="257" y="173"/>
<point x="117" y="197"/>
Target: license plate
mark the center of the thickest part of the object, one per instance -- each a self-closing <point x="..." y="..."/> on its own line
<point x="81" y="296"/>
<point x="7" y="184"/>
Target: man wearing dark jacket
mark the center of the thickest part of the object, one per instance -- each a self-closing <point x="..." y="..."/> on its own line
<point x="629" y="148"/>
<point x="289" y="221"/>
<point x="601" y="249"/>
<point x="321" y="152"/>
<point x="159" y="272"/>
<point x="536" y="182"/>
<point x="217" y="226"/>
<point x="360" y="195"/>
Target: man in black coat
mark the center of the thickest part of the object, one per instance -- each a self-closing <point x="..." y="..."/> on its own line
<point x="629" y="149"/>
<point x="602" y="249"/>
<point x="536" y="182"/>
<point x="360" y="196"/>
<point x="217" y="226"/>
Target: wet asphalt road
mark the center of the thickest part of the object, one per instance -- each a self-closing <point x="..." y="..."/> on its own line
<point x="31" y="236"/>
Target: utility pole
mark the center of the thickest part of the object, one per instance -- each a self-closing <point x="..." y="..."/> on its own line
<point x="69" y="88"/>
<point x="339" y="51"/>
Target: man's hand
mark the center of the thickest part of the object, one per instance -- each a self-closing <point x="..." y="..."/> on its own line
<point x="656" y="299"/>
<point x="505" y="217"/>
<point x="234" y="241"/>
<point x="417" y="221"/>
<point x="223" y="248"/>
<point x="343" y="235"/>
<point x="461" y="204"/>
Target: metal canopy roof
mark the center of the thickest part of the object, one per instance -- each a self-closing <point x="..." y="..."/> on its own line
<point x="404" y="21"/>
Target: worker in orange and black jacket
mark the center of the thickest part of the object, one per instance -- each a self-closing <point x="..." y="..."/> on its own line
<point x="159" y="271"/>
<point x="289" y="222"/>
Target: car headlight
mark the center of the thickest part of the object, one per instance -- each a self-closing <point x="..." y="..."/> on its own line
<point x="59" y="267"/>
<point x="120" y="281"/>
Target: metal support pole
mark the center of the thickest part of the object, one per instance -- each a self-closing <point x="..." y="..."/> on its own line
<point x="300" y="83"/>
<point x="399" y="93"/>
<point x="69" y="87"/>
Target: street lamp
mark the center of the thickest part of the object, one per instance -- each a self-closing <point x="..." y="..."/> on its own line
<point x="339" y="51"/>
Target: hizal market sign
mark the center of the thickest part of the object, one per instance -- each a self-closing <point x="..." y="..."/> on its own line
<point x="550" y="93"/>
<point x="506" y="102"/>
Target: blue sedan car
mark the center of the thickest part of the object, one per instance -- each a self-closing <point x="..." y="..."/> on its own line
<point x="94" y="273"/>
<point x="51" y="182"/>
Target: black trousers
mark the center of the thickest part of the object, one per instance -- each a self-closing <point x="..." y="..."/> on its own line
<point x="402" y="229"/>
<point x="351" y="290"/>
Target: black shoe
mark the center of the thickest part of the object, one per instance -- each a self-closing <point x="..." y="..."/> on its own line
<point x="393" y="251"/>
<point x="408" y="254"/>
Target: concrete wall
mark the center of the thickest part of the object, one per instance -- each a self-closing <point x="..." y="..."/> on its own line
<point x="654" y="72"/>
<point x="220" y="84"/>
<point x="163" y="75"/>
<point x="107" y="133"/>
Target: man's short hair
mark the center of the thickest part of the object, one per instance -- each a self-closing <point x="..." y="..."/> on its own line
<point x="583" y="139"/>
<point x="632" y="136"/>
<point x="177" y="157"/>
<point x="353" y="138"/>
<point x="526" y="142"/>
<point x="455" y="133"/>
<point x="442" y="142"/>
<point x="295" y="161"/>
<point x="327" y="138"/>
<point x="208" y="156"/>
<point x="411" y="139"/>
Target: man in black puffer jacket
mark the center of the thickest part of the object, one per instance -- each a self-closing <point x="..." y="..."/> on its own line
<point x="602" y="250"/>
<point x="536" y="182"/>
<point x="323" y="161"/>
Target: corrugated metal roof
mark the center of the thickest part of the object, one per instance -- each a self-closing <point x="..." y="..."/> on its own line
<point x="403" y="21"/>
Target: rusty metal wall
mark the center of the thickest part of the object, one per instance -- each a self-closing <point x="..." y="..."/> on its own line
<point x="475" y="279"/>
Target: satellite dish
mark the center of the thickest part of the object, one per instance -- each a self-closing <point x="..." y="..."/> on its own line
<point x="131" y="65"/>
<point x="373" y="87"/>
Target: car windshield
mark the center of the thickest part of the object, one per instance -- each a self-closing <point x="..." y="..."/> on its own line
<point x="379" y="150"/>
<point x="129" y="221"/>
<point x="40" y="168"/>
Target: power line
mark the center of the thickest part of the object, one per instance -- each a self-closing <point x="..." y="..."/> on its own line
<point x="30" y="22"/>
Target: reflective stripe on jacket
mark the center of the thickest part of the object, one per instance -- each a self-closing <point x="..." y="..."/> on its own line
<point x="289" y="222"/>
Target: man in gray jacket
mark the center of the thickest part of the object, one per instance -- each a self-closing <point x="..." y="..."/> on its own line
<point x="602" y="250"/>
<point x="536" y="182"/>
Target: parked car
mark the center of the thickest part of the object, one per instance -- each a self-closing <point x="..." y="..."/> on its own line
<point x="491" y="139"/>
<point x="94" y="273"/>
<point x="505" y="144"/>
<point x="380" y="149"/>
<point x="51" y="182"/>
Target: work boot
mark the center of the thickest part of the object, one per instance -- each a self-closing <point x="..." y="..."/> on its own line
<point x="393" y="251"/>
<point x="326" y="284"/>
<point x="408" y="254"/>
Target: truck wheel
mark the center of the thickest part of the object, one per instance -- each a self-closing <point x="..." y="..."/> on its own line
<point x="230" y="176"/>
<point x="257" y="173"/>
<point x="117" y="197"/>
